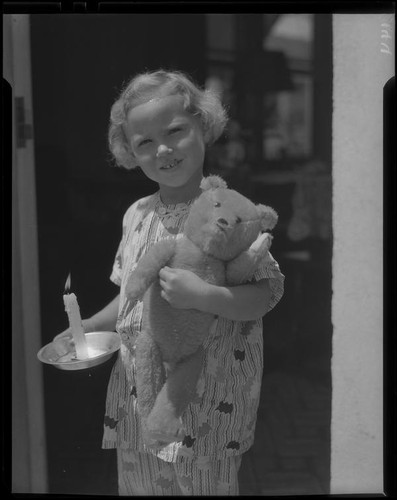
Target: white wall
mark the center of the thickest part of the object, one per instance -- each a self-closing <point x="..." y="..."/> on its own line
<point x="362" y="65"/>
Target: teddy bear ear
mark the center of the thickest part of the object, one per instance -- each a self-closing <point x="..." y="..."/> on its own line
<point x="213" y="182"/>
<point x="268" y="215"/>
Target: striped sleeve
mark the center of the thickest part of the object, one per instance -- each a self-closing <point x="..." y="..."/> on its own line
<point x="117" y="269"/>
<point x="117" y="266"/>
<point x="270" y="270"/>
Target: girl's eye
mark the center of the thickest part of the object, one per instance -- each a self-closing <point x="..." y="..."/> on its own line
<point x="175" y="130"/>
<point x="144" y="142"/>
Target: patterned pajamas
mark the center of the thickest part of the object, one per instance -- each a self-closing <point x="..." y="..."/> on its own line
<point x="220" y="422"/>
<point x="145" y="474"/>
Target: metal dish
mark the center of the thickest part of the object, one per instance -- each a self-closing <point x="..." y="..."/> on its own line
<point x="62" y="354"/>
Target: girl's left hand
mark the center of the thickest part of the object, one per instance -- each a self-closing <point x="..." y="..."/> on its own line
<point x="181" y="288"/>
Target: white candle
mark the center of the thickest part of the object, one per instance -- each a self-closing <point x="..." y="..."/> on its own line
<point x="76" y="325"/>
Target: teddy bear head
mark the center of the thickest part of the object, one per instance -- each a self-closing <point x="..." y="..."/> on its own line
<point x="223" y="222"/>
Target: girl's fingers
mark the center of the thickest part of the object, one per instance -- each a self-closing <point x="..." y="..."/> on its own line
<point x="63" y="345"/>
<point x="164" y="272"/>
<point x="88" y="326"/>
<point x="64" y="335"/>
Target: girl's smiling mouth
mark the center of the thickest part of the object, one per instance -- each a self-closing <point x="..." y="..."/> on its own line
<point x="170" y="166"/>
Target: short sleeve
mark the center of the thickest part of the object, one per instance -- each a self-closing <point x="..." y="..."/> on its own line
<point x="117" y="269"/>
<point x="270" y="270"/>
<point x="117" y="265"/>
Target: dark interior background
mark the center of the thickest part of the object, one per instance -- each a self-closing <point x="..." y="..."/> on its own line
<point x="79" y="64"/>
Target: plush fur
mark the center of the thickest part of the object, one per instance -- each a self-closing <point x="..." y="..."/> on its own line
<point x="224" y="241"/>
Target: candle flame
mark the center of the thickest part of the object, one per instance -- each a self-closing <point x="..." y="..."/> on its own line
<point x="67" y="284"/>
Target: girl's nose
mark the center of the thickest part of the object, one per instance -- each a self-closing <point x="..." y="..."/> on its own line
<point x="163" y="150"/>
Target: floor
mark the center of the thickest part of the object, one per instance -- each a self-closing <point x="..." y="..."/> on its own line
<point x="290" y="455"/>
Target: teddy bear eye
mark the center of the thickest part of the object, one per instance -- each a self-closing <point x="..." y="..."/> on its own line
<point x="217" y="204"/>
<point x="238" y="220"/>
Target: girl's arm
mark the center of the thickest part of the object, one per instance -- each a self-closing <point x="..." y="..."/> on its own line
<point x="104" y="320"/>
<point x="240" y="303"/>
<point x="185" y="290"/>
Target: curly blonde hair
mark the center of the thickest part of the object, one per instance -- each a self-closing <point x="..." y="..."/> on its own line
<point x="203" y="103"/>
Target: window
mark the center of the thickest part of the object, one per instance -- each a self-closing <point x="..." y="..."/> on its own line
<point x="287" y="128"/>
<point x="262" y="64"/>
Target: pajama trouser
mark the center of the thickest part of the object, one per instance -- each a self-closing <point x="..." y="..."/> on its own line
<point x="145" y="474"/>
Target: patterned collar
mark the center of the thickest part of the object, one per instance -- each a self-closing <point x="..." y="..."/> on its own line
<point x="173" y="210"/>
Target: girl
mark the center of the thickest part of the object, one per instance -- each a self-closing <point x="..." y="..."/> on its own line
<point x="163" y="123"/>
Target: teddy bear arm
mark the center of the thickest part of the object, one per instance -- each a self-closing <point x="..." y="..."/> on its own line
<point x="148" y="268"/>
<point x="243" y="267"/>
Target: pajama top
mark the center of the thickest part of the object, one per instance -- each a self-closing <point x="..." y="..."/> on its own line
<point x="220" y="421"/>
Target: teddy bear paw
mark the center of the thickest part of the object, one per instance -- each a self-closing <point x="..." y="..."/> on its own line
<point x="160" y="439"/>
<point x="154" y="444"/>
<point x="262" y="243"/>
<point x="166" y="431"/>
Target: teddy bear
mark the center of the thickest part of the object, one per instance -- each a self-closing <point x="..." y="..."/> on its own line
<point x="224" y="240"/>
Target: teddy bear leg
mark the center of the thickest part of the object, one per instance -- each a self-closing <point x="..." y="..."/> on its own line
<point x="150" y="374"/>
<point x="164" y="422"/>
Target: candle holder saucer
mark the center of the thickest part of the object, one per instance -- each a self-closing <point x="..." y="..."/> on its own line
<point x="62" y="354"/>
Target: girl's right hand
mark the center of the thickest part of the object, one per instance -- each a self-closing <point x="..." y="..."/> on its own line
<point x="63" y="335"/>
<point x="64" y="343"/>
<point x="88" y="326"/>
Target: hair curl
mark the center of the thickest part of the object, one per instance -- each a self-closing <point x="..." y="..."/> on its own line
<point x="203" y="103"/>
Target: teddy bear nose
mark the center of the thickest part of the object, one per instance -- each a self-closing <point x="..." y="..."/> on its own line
<point x="223" y="222"/>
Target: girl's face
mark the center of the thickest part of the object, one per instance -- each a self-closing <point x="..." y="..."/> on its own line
<point x="168" y="145"/>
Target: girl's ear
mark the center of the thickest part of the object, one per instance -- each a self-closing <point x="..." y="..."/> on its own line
<point x="133" y="164"/>
<point x="268" y="217"/>
<point x="206" y="136"/>
<point x="213" y="182"/>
